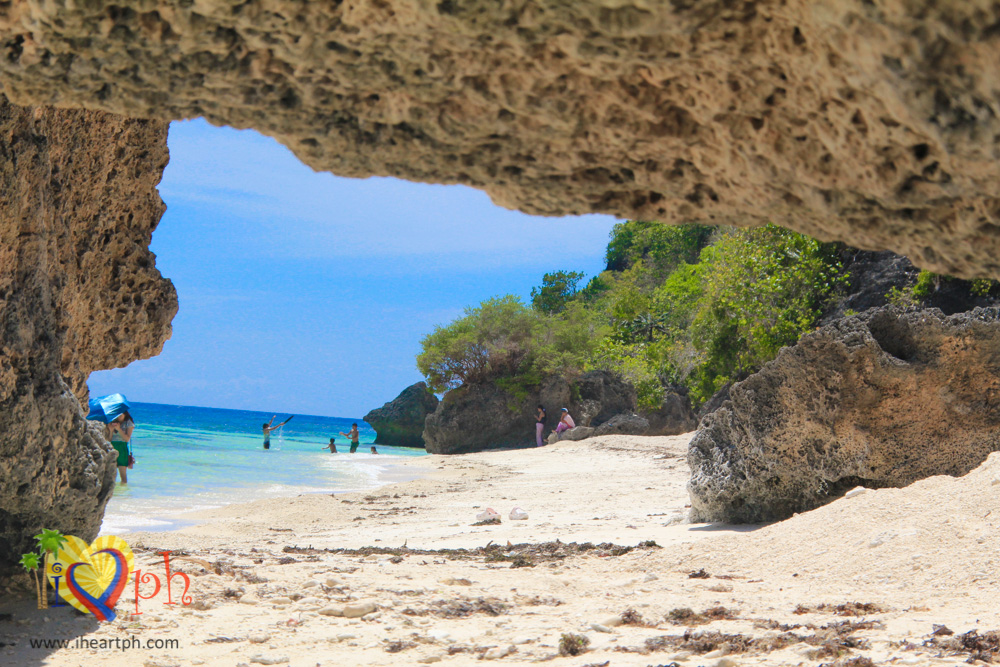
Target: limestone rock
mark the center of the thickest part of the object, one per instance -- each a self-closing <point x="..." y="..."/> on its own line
<point x="872" y="275"/>
<point x="400" y="422"/>
<point x="880" y="399"/>
<point x="79" y="291"/>
<point x="872" y="123"/>
<point x="479" y="417"/>
<point x="578" y="433"/>
<point x="673" y="417"/>
<point x="625" y="424"/>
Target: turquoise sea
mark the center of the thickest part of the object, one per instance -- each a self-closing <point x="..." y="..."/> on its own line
<point x="190" y="458"/>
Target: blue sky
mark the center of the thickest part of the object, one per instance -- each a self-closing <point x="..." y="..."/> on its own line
<point x="303" y="292"/>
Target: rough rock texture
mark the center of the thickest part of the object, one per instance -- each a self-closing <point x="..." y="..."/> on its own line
<point x="400" y="422"/>
<point x="574" y="434"/>
<point x="673" y="417"/>
<point x="624" y="424"/>
<point x="473" y="418"/>
<point x="874" y="123"/>
<point x="880" y="399"/>
<point x="871" y="276"/>
<point x="78" y="292"/>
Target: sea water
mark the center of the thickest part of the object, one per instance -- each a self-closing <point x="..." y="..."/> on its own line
<point x="190" y="458"/>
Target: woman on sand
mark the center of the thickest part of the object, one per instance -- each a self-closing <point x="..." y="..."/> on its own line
<point x="565" y="422"/>
<point x="539" y="425"/>
<point x="121" y="434"/>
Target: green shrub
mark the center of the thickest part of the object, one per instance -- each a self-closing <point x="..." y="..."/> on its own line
<point x="489" y="342"/>
<point x="555" y="292"/>
<point x="678" y="311"/>
<point x="664" y="246"/>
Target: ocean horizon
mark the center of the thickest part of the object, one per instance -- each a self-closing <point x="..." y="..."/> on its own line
<point x="195" y="458"/>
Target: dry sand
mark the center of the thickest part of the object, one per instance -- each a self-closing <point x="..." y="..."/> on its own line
<point x="866" y="577"/>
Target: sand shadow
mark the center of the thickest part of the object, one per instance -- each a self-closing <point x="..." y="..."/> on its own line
<point x="29" y="636"/>
<point x="727" y="527"/>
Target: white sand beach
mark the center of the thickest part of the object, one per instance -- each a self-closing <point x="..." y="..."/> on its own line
<point x="870" y="576"/>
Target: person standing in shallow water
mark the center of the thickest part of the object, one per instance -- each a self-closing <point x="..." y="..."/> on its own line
<point x="268" y="428"/>
<point x="539" y="425"/>
<point x="332" y="447"/>
<point x="353" y="435"/>
<point x="121" y="434"/>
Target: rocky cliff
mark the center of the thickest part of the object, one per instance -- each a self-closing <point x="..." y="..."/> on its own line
<point x="400" y="422"/>
<point x="880" y="399"/>
<point x="78" y="292"/>
<point x="873" y="123"/>
<point x="478" y="417"/>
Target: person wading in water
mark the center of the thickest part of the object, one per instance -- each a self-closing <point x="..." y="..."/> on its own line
<point x="353" y="435"/>
<point x="268" y="428"/>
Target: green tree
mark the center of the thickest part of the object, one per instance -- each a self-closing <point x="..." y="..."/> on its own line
<point x="49" y="542"/>
<point x="663" y="246"/>
<point x="29" y="562"/>
<point x="555" y="292"/>
<point x="764" y="287"/>
<point x="489" y="342"/>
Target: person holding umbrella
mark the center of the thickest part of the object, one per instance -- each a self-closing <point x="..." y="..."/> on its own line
<point x="121" y="434"/>
<point x="113" y="410"/>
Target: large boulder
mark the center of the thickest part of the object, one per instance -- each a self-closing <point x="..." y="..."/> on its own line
<point x="880" y="399"/>
<point x="400" y="422"/>
<point x="674" y="415"/>
<point x="79" y="291"/>
<point x="624" y="424"/>
<point x="873" y="123"/>
<point x="478" y="417"/>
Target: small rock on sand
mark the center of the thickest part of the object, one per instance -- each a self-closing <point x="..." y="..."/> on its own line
<point x="499" y="652"/>
<point x="611" y="622"/>
<point x="268" y="660"/>
<point x="597" y="627"/>
<point x="456" y="582"/>
<point x="259" y="638"/>
<point x="856" y="491"/>
<point x="331" y="582"/>
<point x="356" y="610"/>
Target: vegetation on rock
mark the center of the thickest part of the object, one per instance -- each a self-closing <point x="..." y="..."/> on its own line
<point x="686" y="305"/>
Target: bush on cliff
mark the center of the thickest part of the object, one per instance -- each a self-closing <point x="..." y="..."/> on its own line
<point x="505" y="342"/>
<point x="689" y="305"/>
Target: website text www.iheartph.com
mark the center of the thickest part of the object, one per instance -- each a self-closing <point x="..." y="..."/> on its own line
<point x="116" y="643"/>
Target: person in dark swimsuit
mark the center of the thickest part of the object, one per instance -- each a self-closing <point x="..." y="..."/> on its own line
<point x="353" y="435"/>
<point x="539" y="425"/>
<point x="268" y="428"/>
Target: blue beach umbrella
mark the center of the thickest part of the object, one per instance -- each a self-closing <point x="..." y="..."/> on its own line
<point x="107" y="408"/>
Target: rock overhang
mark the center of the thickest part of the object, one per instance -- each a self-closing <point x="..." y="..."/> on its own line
<point x="875" y="125"/>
